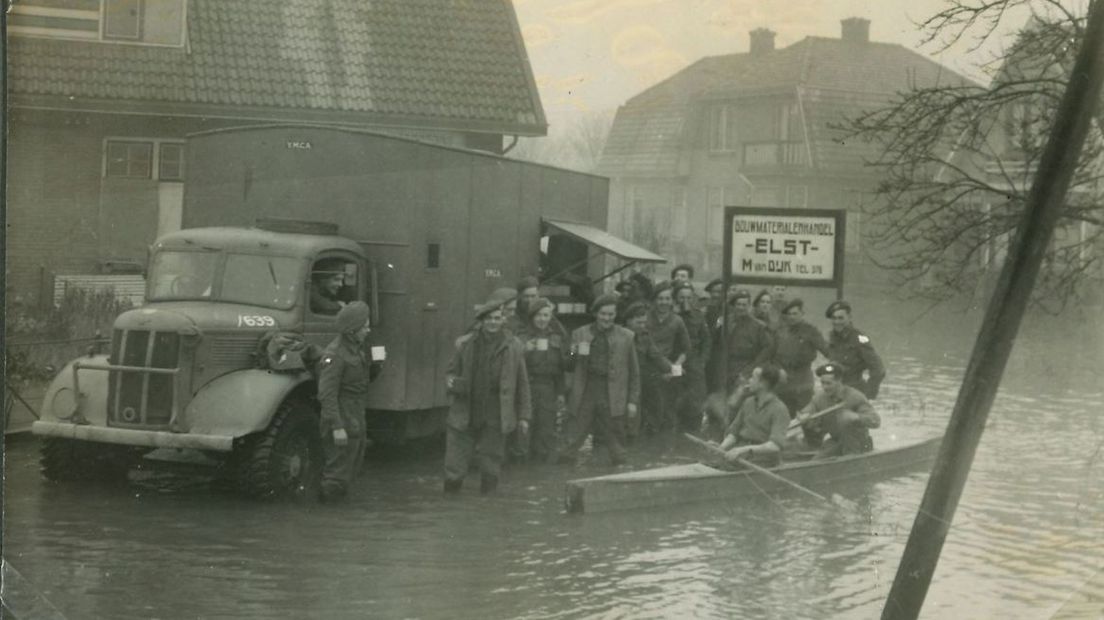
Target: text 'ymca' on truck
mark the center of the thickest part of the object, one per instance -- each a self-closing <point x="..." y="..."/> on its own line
<point x="421" y="232"/>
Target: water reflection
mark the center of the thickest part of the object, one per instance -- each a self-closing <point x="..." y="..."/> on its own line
<point x="1028" y="531"/>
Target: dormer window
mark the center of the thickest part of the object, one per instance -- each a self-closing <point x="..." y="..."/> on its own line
<point x="140" y="22"/>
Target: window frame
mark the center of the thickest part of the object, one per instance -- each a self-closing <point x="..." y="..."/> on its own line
<point x="155" y="145"/>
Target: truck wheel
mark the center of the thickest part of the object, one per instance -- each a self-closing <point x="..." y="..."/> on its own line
<point x="68" y="460"/>
<point x="284" y="460"/>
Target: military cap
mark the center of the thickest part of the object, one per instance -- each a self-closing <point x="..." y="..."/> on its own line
<point x="636" y="309"/>
<point x="539" y="304"/>
<point x="714" y="282"/>
<point x="603" y="300"/>
<point x="837" y="305"/>
<point x="528" y="282"/>
<point x="795" y="302"/>
<point x="660" y="287"/>
<point x="353" y="316"/>
<point x="831" y="368"/>
<point x="741" y="294"/>
<point x="623" y="286"/>
<point x="494" y="302"/>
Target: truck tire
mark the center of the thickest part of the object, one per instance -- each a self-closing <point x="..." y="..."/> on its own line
<point x="285" y="459"/>
<point x="72" y="460"/>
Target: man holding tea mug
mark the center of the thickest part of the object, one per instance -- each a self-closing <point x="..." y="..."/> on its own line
<point x="604" y="383"/>
<point x="343" y="377"/>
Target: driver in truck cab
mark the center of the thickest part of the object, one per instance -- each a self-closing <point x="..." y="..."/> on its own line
<point x="327" y="279"/>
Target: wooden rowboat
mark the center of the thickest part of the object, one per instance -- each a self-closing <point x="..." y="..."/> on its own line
<point x="697" y="482"/>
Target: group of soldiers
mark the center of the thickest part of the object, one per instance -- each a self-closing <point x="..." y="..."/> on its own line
<point x="655" y="356"/>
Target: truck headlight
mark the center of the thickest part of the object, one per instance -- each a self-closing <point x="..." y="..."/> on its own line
<point x="64" y="403"/>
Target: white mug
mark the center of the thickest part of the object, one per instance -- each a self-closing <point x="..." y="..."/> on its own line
<point x="542" y="344"/>
<point x="379" y="354"/>
<point x="676" y="370"/>
<point x="584" y="348"/>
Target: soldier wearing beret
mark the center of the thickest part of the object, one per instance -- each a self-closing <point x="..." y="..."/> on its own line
<point x="853" y="350"/>
<point x="343" y="377"/>
<point x="490" y="398"/>
<point x="796" y="344"/>
<point x="546" y="347"/>
<point x="604" y="382"/>
<point x="848" y="427"/>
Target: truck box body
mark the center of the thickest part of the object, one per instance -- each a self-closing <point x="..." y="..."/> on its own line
<point x="443" y="226"/>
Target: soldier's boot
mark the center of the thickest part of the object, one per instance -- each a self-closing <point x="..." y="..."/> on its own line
<point x="452" y="487"/>
<point x="488" y="483"/>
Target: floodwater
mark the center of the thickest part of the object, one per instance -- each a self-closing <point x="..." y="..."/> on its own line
<point x="1028" y="534"/>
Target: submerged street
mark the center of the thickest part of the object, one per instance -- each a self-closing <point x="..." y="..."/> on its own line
<point x="1026" y="538"/>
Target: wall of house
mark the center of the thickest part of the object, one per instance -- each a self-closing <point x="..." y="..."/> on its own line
<point x="67" y="216"/>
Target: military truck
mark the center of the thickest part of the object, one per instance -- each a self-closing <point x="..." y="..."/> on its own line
<point x="421" y="232"/>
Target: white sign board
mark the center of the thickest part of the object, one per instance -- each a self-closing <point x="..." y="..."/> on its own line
<point x="784" y="247"/>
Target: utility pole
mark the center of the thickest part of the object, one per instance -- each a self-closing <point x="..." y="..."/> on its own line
<point x="1002" y="321"/>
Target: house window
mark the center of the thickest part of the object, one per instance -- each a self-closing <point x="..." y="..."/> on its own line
<point x="133" y="160"/>
<point x="170" y="166"/>
<point x="122" y="19"/>
<point x="144" y="159"/>
<point x="715" y="208"/>
<point x="678" y="213"/>
<point x="723" y="134"/>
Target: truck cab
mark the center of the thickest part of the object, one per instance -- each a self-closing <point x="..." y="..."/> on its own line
<point x="186" y="370"/>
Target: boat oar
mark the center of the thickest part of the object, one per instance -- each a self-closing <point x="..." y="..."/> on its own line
<point x="797" y="422"/>
<point x="762" y="470"/>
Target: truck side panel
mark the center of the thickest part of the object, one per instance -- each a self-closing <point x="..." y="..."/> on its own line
<point x="481" y="212"/>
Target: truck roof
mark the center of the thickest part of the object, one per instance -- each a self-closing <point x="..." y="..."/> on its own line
<point x="383" y="135"/>
<point x="256" y="240"/>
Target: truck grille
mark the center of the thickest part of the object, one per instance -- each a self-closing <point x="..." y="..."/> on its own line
<point x="136" y="398"/>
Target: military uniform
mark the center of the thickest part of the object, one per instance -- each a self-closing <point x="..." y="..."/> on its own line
<point x="843" y="438"/>
<point x="344" y="375"/>
<point x="490" y="396"/>
<point x="851" y="349"/>
<point x="796" y="348"/>
<point x="322" y="304"/>
<point x="546" y="386"/>
<point x="749" y="345"/>
<point x="693" y="390"/>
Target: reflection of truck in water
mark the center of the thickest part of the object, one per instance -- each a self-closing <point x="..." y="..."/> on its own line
<point x="422" y="233"/>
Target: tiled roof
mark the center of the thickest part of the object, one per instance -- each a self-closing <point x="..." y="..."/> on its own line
<point x="836" y="78"/>
<point x="451" y="63"/>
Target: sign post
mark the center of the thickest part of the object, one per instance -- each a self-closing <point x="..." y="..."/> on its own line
<point x="781" y="246"/>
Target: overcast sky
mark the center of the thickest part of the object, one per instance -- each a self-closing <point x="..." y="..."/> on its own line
<point x="595" y="54"/>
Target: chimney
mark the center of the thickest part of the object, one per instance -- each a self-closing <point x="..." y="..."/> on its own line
<point x="855" y="30"/>
<point x="762" y="41"/>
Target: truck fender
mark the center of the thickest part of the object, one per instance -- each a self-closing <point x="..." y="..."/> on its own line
<point x="241" y="402"/>
<point x="60" y="402"/>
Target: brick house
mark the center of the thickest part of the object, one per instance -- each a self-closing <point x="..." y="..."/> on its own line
<point x="754" y="129"/>
<point x="103" y="92"/>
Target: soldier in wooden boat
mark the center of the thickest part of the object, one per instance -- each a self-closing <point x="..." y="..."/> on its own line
<point x="848" y="427"/>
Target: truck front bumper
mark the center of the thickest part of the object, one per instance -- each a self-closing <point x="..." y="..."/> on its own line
<point x="130" y="437"/>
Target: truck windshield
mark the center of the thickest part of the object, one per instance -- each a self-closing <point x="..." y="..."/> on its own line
<point x="182" y="275"/>
<point x="268" y="281"/>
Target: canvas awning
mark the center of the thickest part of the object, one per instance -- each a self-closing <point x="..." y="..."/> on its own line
<point x="605" y="242"/>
